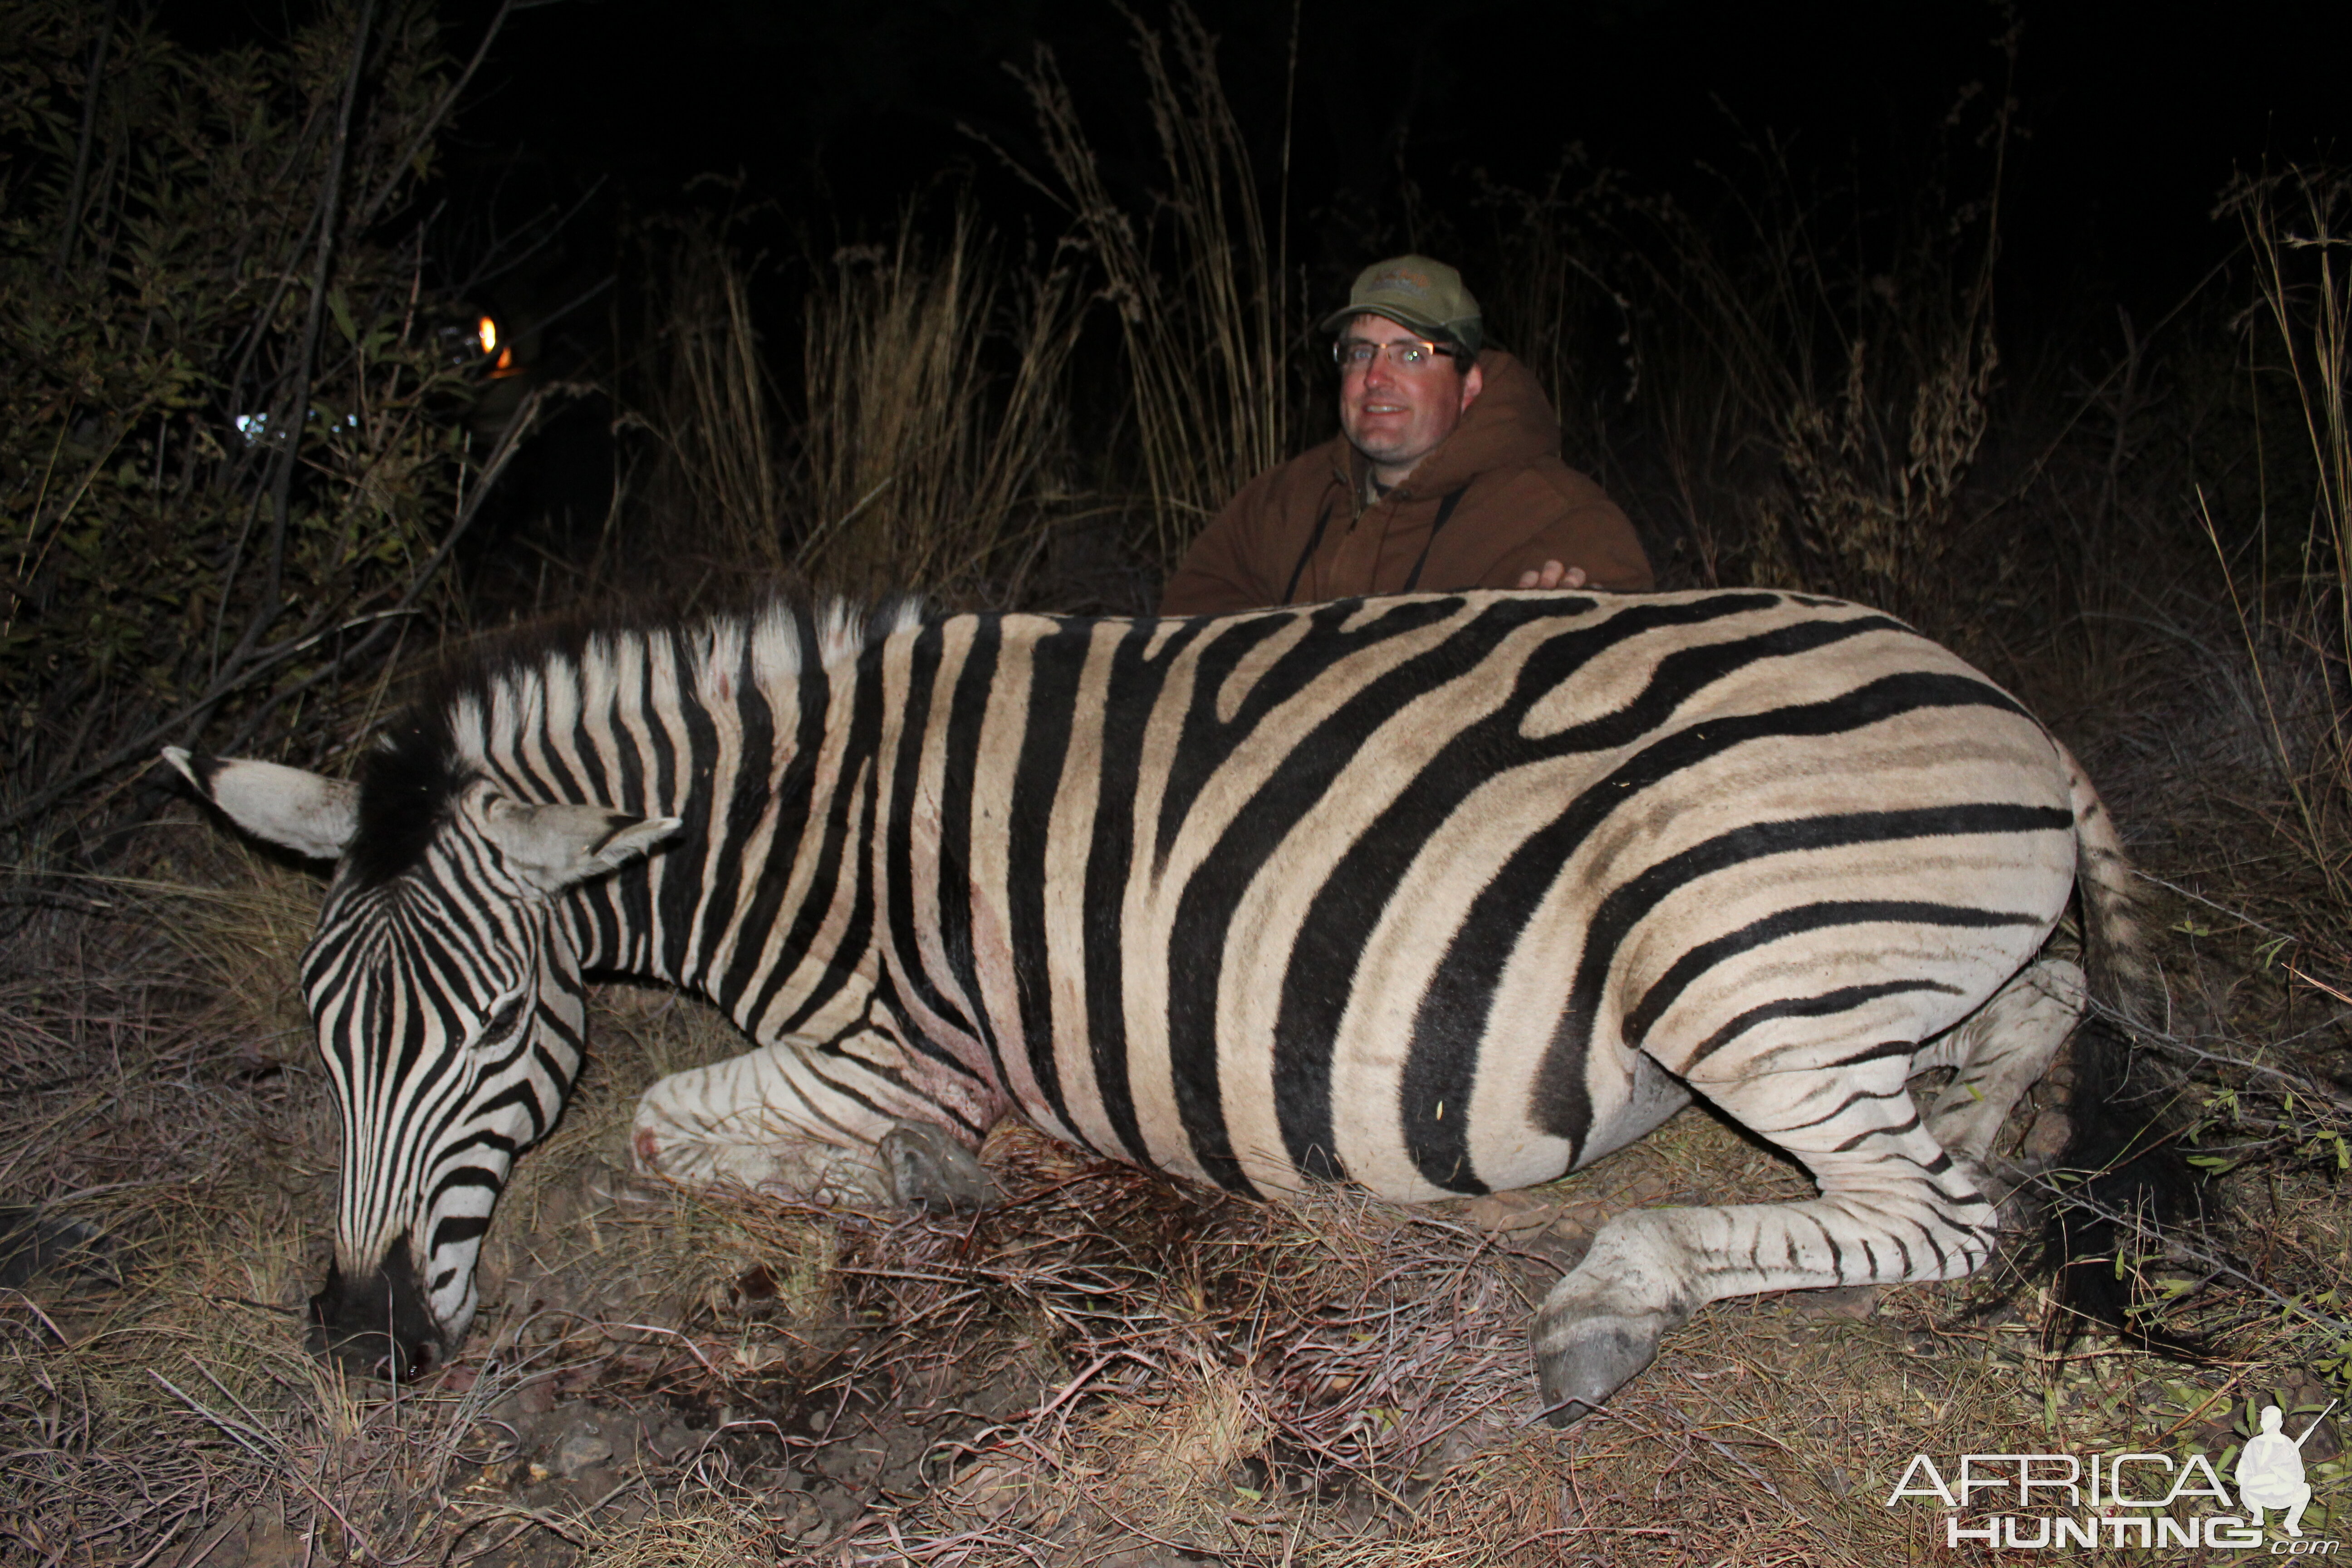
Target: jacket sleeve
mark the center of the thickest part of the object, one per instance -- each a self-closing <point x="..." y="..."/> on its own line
<point x="1581" y="526"/>
<point x="1225" y="568"/>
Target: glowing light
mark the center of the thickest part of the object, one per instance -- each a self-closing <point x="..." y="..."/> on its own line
<point x="487" y="332"/>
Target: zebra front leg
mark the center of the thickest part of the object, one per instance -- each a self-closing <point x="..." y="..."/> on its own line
<point x="771" y="1118"/>
<point x="1894" y="1206"/>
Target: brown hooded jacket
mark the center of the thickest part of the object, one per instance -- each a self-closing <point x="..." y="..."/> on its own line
<point x="1491" y="501"/>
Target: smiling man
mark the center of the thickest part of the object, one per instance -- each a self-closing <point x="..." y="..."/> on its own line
<point x="1447" y="474"/>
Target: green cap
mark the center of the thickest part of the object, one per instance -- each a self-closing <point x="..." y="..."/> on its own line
<point x="1416" y="292"/>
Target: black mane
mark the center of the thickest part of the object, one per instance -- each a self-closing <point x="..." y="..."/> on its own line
<point x="410" y="779"/>
<point x="407" y="786"/>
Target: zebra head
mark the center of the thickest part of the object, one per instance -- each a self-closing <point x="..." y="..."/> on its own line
<point x="449" y="1011"/>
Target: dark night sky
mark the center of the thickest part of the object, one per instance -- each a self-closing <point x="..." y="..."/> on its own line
<point x="834" y="113"/>
<point x="2136" y="113"/>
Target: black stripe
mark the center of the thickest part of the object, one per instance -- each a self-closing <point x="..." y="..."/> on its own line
<point x="628" y="764"/>
<point x="558" y="781"/>
<point x="837" y="858"/>
<point x="641" y="897"/>
<point x="1844" y="999"/>
<point x="1842" y="1106"/>
<point x="1207" y="741"/>
<point x="1330" y="939"/>
<point x="481" y="1138"/>
<point x="1788" y="922"/>
<point x="1444" y="1059"/>
<point x="474" y="1176"/>
<point x="1135" y="678"/>
<point x="1338" y="925"/>
<point x="523" y="1095"/>
<point x="1049" y="707"/>
<point x="1684" y="673"/>
<point x="682" y="868"/>
<point x="794" y="806"/>
<point x="458" y="1227"/>
<point x="954" y="892"/>
<point x="591" y="757"/>
<point x="1880" y="1129"/>
<point x="748" y="796"/>
<point x="897" y="827"/>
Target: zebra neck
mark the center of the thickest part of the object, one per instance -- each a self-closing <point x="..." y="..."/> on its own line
<point x="734" y="727"/>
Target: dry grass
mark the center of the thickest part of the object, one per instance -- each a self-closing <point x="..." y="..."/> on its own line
<point x="715" y="413"/>
<point x="922" y="463"/>
<point x="1203" y="297"/>
<point x="927" y="442"/>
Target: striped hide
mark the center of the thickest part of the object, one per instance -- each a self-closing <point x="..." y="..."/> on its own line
<point x="1433" y="895"/>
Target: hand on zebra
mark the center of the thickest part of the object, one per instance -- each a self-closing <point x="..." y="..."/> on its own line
<point x="1552" y="574"/>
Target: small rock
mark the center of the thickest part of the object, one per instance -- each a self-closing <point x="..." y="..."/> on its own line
<point x="1509" y="1214"/>
<point x="795" y="1514"/>
<point x="582" y="1446"/>
<point x="989" y="1491"/>
<point x="1856" y="1301"/>
<point x="675" y="1444"/>
<point x="2046" y="1140"/>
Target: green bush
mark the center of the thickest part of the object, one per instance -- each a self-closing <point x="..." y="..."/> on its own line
<point x="233" y="451"/>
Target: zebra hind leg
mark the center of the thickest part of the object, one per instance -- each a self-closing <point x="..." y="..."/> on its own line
<point x="1894" y="1206"/>
<point x="1999" y="1052"/>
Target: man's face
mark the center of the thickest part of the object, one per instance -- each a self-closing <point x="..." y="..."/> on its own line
<point x="1396" y="417"/>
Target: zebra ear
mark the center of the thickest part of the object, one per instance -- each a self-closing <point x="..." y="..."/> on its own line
<point x="552" y="847"/>
<point x="307" y="812"/>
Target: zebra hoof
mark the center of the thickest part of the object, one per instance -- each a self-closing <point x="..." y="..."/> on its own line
<point x="1581" y="1361"/>
<point x="929" y="1170"/>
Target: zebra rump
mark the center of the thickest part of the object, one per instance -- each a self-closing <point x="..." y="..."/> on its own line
<point x="1433" y="894"/>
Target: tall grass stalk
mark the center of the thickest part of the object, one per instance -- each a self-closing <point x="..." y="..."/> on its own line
<point x="2298" y="227"/>
<point x="1869" y="385"/>
<point x="716" y="413"/>
<point x="921" y="464"/>
<point x="1203" y="304"/>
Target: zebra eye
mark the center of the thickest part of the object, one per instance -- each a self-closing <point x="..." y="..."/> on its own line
<point x="508" y="1019"/>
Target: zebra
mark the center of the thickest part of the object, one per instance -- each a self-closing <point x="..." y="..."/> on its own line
<point x="1431" y="895"/>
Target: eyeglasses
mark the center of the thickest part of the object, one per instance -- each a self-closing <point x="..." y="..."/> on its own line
<point x="1351" y="354"/>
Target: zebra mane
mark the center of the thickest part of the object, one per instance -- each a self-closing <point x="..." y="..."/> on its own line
<point x="409" y="779"/>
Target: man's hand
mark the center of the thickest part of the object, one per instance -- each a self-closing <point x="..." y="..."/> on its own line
<point x="1552" y="574"/>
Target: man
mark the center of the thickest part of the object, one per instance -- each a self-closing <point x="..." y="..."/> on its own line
<point x="1448" y="475"/>
<point x="2270" y="1471"/>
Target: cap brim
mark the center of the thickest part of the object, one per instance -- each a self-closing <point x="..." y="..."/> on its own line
<point x="1422" y="324"/>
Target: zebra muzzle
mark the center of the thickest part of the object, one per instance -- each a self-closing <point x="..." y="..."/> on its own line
<point x="375" y="1325"/>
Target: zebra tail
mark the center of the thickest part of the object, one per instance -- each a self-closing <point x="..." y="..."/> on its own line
<point x="2121" y="1179"/>
<point x="2121" y="966"/>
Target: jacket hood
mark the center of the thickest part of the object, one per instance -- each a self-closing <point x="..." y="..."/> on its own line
<point x="1511" y="424"/>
